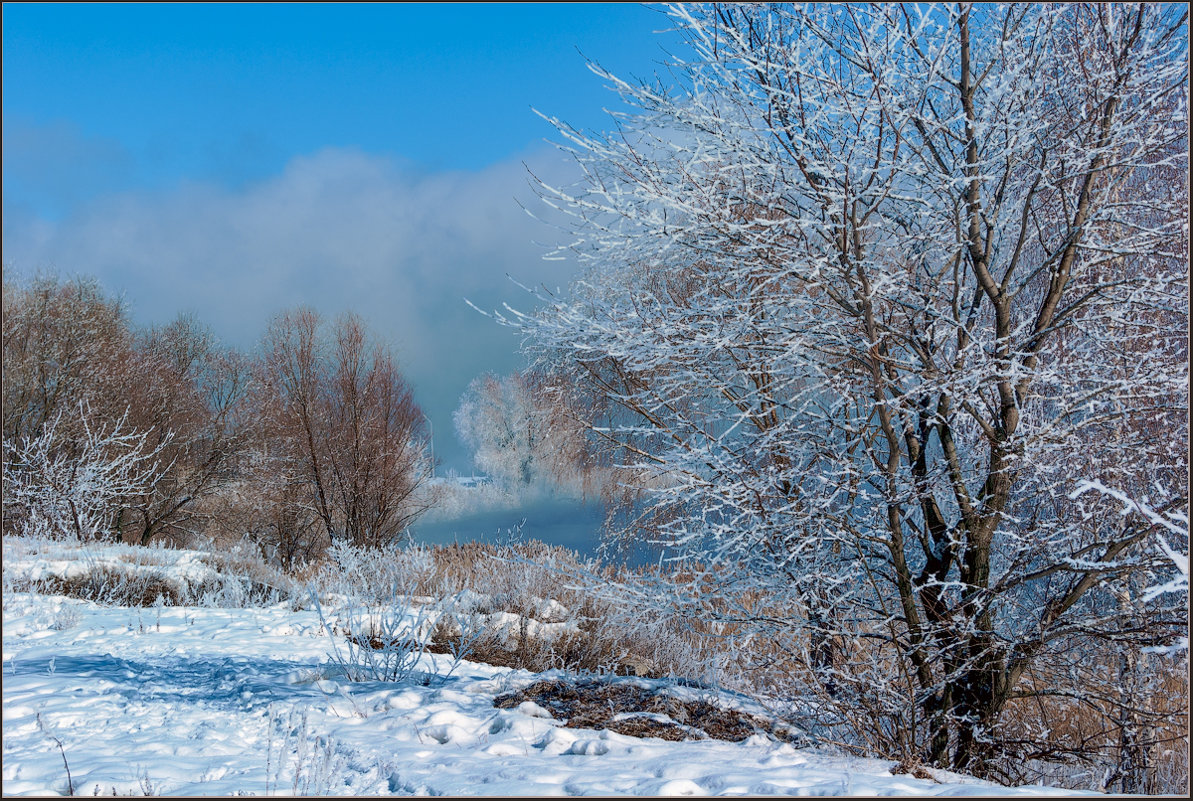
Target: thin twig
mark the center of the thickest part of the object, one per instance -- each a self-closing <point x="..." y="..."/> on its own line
<point x="70" y="785"/>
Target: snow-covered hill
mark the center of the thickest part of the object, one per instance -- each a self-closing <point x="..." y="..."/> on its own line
<point x="204" y="700"/>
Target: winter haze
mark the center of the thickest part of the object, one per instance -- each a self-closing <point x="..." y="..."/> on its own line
<point x="236" y="162"/>
<point x="338" y="230"/>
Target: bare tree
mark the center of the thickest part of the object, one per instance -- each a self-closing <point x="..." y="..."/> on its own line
<point x="348" y="424"/>
<point x="190" y="393"/>
<point x="861" y="288"/>
<point x="60" y="337"/>
<point x="67" y="343"/>
<point x="321" y="440"/>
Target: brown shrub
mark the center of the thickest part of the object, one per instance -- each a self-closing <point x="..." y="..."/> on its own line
<point x="114" y="587"/>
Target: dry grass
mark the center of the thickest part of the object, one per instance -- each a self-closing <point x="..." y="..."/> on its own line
<point x="113" y="587"/>
<point x="1053" y="728"/>
<point x="133" y="576"/>
<point x="539" y="584"/>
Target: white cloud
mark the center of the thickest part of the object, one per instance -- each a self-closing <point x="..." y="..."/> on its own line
<point x="337" y="230"/>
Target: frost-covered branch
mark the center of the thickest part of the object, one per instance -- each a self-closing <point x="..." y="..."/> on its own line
<point x="58" y="487"/>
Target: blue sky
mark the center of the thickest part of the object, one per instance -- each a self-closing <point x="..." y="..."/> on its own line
<point x="235" y="160"/>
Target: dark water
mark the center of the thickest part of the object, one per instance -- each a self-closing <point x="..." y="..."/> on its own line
<point x="569" y="522"/>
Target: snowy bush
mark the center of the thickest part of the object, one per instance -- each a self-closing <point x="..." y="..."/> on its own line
<point x="135" y="576"/>
<point x="530" y="606"/>
<point x="58" y="487"/>
<point x="391" y="641"/>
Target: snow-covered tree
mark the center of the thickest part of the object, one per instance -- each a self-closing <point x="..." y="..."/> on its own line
<point x="523" y="431"/>
<point x="871" y="288"/>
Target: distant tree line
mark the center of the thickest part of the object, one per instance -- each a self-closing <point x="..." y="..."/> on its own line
<point x="143" y="435"/>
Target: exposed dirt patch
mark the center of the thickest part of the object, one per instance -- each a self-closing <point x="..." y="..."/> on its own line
<point x="913" y="768"/>
<point x="574" y="651"/>
<point x="639" y="712"/>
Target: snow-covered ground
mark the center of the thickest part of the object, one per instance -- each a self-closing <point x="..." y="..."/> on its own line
<point x="232" y="701"/>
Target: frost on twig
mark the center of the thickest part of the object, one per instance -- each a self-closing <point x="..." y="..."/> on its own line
<point x="1176" y="523"/>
